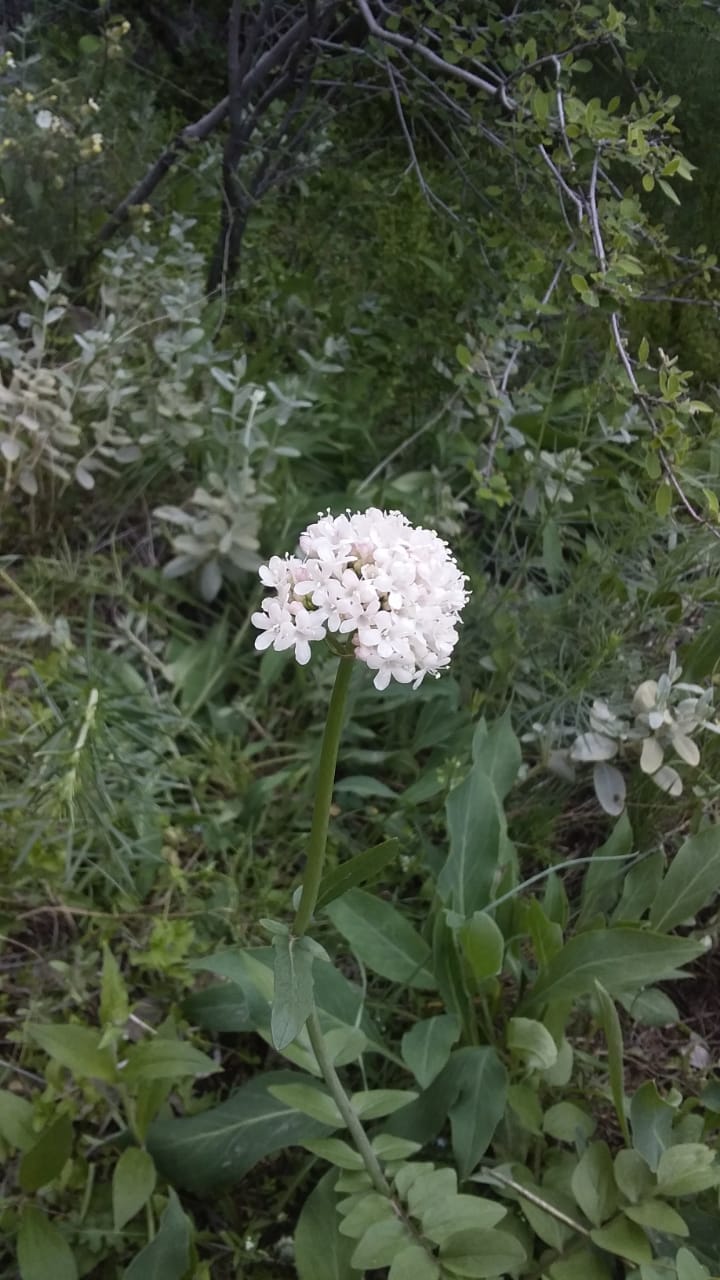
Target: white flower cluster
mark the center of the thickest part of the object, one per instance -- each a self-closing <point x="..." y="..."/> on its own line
<point x="393" y="589"/>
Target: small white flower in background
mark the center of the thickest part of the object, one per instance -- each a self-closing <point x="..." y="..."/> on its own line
<point x="392" y="588"/>
<point x="45" y="119"/>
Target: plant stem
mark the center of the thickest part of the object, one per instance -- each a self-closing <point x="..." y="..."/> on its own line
<point x="323" y="798"/>
<point x="345" y="1107"/>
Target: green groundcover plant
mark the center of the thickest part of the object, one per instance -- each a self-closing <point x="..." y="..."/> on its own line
<point x="494" y="1135"/>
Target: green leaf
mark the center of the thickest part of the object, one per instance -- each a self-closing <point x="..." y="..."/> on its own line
<point x="450" y="1215"/>
<point x="114" y="1005"/>
<point x="593" y="1183"/>
<point x="167" y="1257"/>
<point x="483" y="945"/>
<point x="380" y="1245"/>
<point x="692" y="881"/>
<point x="389" y="1147"/>
<point x="46" y="1159"/>
<point x="364" y="868"/>
<point x="639" y="888"/>
<point x="363" y="1210"/>
<point x="567" y="1123"/>
<point x="658" y="1215"/>
<point x="16" y="1120"/>
<point x="476" y="828"/>
<point x="336" y="1152"/>
<point x="42" y="1250"/>
<point x="293" y="997"/>
<point x="362" y="784"/>
<point x="651" y="1119"/>
<point x="371" y="1104"/>
<point x="201" y="668"/>
<point x="688" y="1267"/>
<point x="633" y="1175"/>
<point x="497" y="752"/>
<point x="75" y="1048"/>
<point x="414" y="1263"/>
<point x="382" y="938"/>
<point x="433" y="1187"/>
<point x="525" y="1103"/>
<point x="220" y="1145"/>
<point x="161" y="1059"/>
<point x="447" y="966"/>
<point x="663" y="499"/>
<point x="532" y="1043"/>
<point x="651" y="1007"/>
<point x="426" y="1046"/>
<point x="482" y="1253"/>
<point x="310" y="1100"/>
<point x="478" y="1106"/>
<point x="321" y="1252"/>
<point x="620" y="958"/>
<point x="613" y="1036"/>
<point x="583" y="1263"/>
<point x="623" y="1238"/>
<point x="686" y="1169"/>
<point x="133" y="1183"/>
<point x="603" y="879"/>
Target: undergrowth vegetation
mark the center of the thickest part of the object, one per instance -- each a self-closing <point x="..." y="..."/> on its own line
<point x="451" y="263"/>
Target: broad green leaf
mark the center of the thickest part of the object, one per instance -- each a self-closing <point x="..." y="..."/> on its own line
<point x="692" y="881"/>
<point x="311" y="1100"/>
<point x="46" y="1159"/>
<point x="167" y="1256"/>
<point x="336" y="1152"/>
<point x="651" y="1120"/>
<point x="532" y="1043"/>
<point x="380" y="1245"/>
<point x="293" y="997"/>
<point x="476" y="828"/>
<point x="434" y="1187"/>
<point x="382" y="938"/>
<point x="688" y="1267"/>
<point x="686" y="1169"/>
<point x="472" y="1090"/>
<point x="220" y="1008"/>
<point x="613" y="1036"/>
<point x="448" y="1216"/>
<point x="218" y="1146"/>
<point x="114" y="1004"/>
<point x="426" y="1047"/>
<point x="497" y="752"/>
<point x="658" y="1215"/>
<point x="371" y="1104"/>
<point x="16" y="1121"/>
<point x="633" y="1176"/>
<point x="161" y="1059"/>
<point x="321" y="1252"/>
<point x="525" y="1103"/>
<point x="651" y="1007"/>
<point x="362" y="1211"/>
<point x="583" y="1263"/>
<point x="482" y="945"/>
<point x="76" y="1048"/>
<point x="567" y="1122"/>
<point x="363" y="869"/>
<point x="593" y="1183"/>
<point x="623" y="1238"/>
<point x="478" y="1106"/>
<point x="43" y="1253"/>
<point x="133" y="1183"/>
<point x="389" y="1147"/>
<point x="414" y="1263"/>
<point x="547" y="937"/>
<point x="481" y="1253"/>
<point x="200" y="669"/>
<point x="620" y="958"/>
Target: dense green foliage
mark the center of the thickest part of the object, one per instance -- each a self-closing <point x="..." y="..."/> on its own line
<point x="481" y="307"/>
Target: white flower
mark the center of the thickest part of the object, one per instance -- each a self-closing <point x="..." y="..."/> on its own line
<point x="45" y="119"/>
<point x="392" y="588"/>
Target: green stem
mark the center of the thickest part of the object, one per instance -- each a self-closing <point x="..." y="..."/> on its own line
<point x="345" y="1107"/>
<point x="323" y="798"/>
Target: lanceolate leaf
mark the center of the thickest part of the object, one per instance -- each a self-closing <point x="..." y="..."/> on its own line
<point x="692" y="881"/>
<point x="43" y="1253"/>
<point x="382" y="938"/>
<point x="613" y="1036"/>
<point x="167" y="1256"/>
<point x="476" y="830"/>
<point x="220" y="1145"/>
<point x="364" y="868"/>
<point x="621" y="959"/>
<point x="293" y="996"/>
